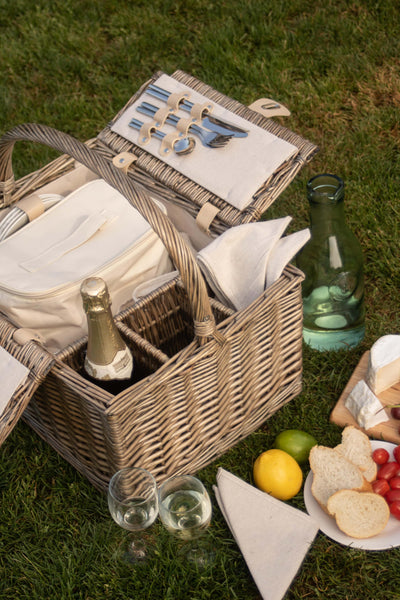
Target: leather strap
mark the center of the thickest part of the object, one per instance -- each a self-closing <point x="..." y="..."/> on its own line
<point x="123" y="161"/>
<point x="32" y="205"/>
<point x="176" y="98"/>
<point x="183" y="125"/>
<point x="206" y="215"/>
<point x="197" y="111"/>
<point x="168" y="143"/>
<point x="161" y="115"/>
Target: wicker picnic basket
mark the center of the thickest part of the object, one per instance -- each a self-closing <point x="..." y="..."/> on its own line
<point x="211" y="375"/>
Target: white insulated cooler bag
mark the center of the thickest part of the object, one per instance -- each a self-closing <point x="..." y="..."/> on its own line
<point x="93" y="231"/>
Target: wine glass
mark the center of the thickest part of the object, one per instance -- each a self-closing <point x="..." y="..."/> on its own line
<point x="185" y="511"/>
<point x="133" y="504"/>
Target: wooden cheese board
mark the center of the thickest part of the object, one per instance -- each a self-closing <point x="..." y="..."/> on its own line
<point x="388" y="430"/>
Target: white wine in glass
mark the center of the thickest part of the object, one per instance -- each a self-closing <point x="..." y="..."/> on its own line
<point x="133" y="504"/>
<point x="185" y="511"/>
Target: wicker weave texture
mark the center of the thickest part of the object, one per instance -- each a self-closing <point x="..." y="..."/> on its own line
<point x="160" y="177"/>
<point x="210" y="376"/>
<point x="195" y="406"/>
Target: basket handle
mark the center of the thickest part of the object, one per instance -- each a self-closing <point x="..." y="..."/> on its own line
<point x="204" y="322"/>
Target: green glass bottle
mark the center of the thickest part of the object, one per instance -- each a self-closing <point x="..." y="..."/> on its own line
<point x="332" y="261"/>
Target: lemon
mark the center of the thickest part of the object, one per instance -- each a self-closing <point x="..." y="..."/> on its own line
<point x="278" y="474"/>
<point x="295" y="442"/>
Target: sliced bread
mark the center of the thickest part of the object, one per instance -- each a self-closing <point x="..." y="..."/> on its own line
<point x="359" y="514"/>
<point x="356" y="447"/>
<point x="333" y="472"/>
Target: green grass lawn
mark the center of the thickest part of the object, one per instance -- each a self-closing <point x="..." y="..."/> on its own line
<point x="336" y="64"/>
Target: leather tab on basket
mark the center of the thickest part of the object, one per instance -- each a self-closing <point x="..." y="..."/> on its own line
<point x="176" y="98"/>
<point x="168" y="142"/>
<point x="123" y="160"/>
<point x="198" y="110"/>
<point x="32" y="206"/>
<point x="161" y="115"/>
<point x="183" y="125"/>
<point x="269" y="108"/>
<point x="23" y="336"/>
<point x="145" y="132"/>
<point x="206" y="215"/>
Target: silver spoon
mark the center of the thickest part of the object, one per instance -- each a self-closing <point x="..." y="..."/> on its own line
<point x="184" y="145"/>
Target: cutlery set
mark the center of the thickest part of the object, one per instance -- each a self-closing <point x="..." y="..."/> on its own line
<point x="212" y="131"/>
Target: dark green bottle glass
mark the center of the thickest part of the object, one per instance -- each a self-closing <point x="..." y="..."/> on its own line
<point x="332" y="261"/>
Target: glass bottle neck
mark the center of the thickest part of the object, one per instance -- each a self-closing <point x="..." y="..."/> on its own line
<point x="326" y="215"/>
<point x="325" y="194"/>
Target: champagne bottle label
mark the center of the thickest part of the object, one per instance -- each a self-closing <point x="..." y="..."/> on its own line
<point x="120" y="368"/>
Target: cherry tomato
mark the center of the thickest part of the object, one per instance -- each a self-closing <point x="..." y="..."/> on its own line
<point x="395" y="483"/>
<point x="388" y="470"/>
<point x="381" y="487"/>
<point x="380" y="456"/>
<point x="393" y="496"/>
<point x="395" y="412"/>
<point x="396" y="454"/>
<point x="394" y="508"/>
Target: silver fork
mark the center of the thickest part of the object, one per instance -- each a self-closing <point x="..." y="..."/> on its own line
<point x="211" y="139"/>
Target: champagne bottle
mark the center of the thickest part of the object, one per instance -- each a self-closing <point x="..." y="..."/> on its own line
<point x="108" y="361"/>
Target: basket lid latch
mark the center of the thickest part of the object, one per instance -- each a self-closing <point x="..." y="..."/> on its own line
<point x="206" y="215"/>
<point x="123" y="160"/>
<point x="270" y="108"/>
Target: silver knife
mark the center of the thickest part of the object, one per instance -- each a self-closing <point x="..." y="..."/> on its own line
<point x="211" y="122"/>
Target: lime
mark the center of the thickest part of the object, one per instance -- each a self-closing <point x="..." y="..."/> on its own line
<point x="296" y="443"/>
<point x="278" y="474"/>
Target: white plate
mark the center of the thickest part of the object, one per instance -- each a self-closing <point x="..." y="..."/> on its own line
<point x="390" y="536"/>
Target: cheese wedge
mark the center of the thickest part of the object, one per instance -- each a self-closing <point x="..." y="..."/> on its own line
<point x="365" y="407"/>
<point x="384" y="363"/>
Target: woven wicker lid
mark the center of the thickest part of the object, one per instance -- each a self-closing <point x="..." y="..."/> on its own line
<point x="157" y="175"/>
<point x="20" y="345"/>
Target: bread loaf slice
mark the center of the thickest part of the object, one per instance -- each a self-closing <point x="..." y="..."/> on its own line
<point x="356" y="447"/>
<point x="333" y="472"/>
<point x="359" y="514"/>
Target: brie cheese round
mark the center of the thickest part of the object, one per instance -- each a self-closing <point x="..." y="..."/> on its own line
<point x="384" y="363"/>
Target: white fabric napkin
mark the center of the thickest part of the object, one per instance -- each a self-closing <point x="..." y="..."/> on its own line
<point x="282" y="253"/>
<point x="12" y="374"/>
<point x="272" y="536"/>
<point x="235" y="172"/>
<point x="150" y="285"/>
<point x="243" y="261"/>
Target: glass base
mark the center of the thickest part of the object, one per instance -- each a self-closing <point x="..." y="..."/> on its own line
<point x="199" y="552"/>
<point x="134" y="551"/>
<point x="325" y="340"/>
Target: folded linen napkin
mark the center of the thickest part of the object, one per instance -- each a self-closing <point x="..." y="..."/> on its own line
<point x="235" y="172"/>
<point x="12" y="374"/>
<point x="272" y="536"/>
<point x="282" y="253"/>
<point x="242" y="262"/>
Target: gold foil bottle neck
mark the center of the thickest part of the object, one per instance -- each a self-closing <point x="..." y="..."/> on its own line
<point x="95" y="296"/>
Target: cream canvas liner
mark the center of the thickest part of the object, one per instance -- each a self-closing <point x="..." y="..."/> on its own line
<point x="93" y="231"/>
